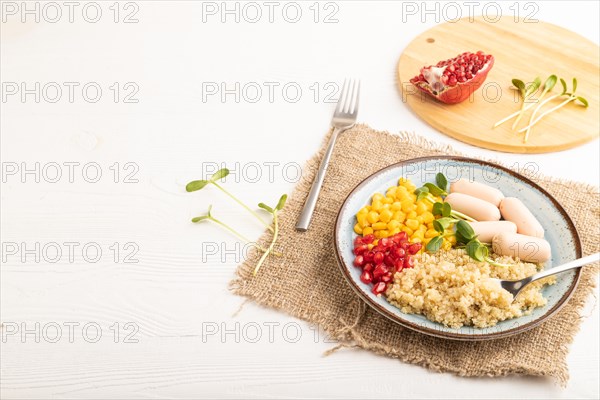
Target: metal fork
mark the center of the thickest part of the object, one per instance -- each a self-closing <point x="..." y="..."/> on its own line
<point x="514" y="287"/>
<point x="344" y="118"/>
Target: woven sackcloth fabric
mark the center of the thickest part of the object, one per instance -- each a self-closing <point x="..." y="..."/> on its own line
<point x="305" y="281"/>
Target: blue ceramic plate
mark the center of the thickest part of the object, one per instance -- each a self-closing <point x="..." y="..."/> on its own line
<point x="560" y="232"/>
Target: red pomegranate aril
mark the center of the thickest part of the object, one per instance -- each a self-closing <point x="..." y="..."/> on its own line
<point x="359" y="261"/>
<point x="404" y="245"/>
<point x="358" y="241"/>
<point x="368" y="267"/>
<point x="379" y="288"/>
<point x="388" y="260"/>
<point x="369" y="255"/>
<point x="399" y="264"/>
<point x="402" y="236"/>
<point x="379" y="271"/>
<point x="399" y="252"/>
<point x="378" y="257"/>
<point x="414" y="248"/>
<point x="366" y="277"/>
<point x="361" y="249"/>
<point x="409" y="262"/>
<point x="387" y="277"/>
<point x="368" y="239"/>
<point x="385" y="242"/>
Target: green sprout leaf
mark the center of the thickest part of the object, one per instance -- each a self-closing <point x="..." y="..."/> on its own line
<point x="465" y="230"/>
<point x="434" y="244"/>
<point x="519" y="85"/>
<point x="474" y="250"/>
<point x="434" y="190"/>
<point x="281" y="202"/>
<point x="441" y="181"/>
<point x="574" y="85"/>
<point x="438" y="226"/>
<point x="196" y="185"/>
<point x="201" y="218"/>
<point x="564" y="85"/>
<point x="421" y="193"/>
<point x="550" y="83"/>
<point x="460" y="238"/>
<point x="266" y="207"/>
<point x="533" y="87"/>
<point x="437" y="208"/>
<point x="446" y="210"/>
<point x="582" y="101"/>
<point x="220" y="174"/>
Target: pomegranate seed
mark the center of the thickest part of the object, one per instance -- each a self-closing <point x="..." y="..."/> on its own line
<point x="379" y="288"/>
<point x="387" y="277"/>
<point x="385" y="242"/>
<point x="399" y="252"/>
<point x="366" y="277"/>
<point x="399" y="264"/>
<point x="378" y="257"/>
<point x="405" y="245"/>
<point x="388" y="260"/>
<point x="368" y="239"/>
<point x="359" y="261"/>
<point x="402" y="236"/>
<point x="358" y="241"/>
<point x="452" y="81"/>
<point x="368" y="267"/>
<point x="369" y="256"/>
<point x="414" y="248"/>
<point x="409" y="262"/>
<point x="361" y="249"/>
<point x="379" y="271"/>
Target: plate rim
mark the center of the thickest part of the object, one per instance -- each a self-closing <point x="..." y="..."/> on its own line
<point x="450" y="335"/>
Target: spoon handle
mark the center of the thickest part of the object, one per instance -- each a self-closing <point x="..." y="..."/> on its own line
<point x="570" y="265"/>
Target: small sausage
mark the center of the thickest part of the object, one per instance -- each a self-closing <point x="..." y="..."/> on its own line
<point x="476" y="208"/>
<point x="527" y="248"/>
<point x="514" y="210"/>
<point x="486" y="230"/>
<point x="479" y="190"/>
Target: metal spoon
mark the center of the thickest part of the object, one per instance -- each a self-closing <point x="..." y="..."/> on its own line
<point x="514" y="287"/>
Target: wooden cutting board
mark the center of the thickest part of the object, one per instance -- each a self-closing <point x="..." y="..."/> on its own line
<point x="521" y="50"/>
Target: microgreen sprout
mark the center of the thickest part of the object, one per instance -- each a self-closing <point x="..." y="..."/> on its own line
<point x="220" y="174"/>
<point x="273" y="212"/>
<point x="209" y="217"/>
<point x="526" y="92"/>
<point x="570" y="97"/>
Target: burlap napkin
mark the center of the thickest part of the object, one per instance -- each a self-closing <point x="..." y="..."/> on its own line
<point x="306" y="282"/>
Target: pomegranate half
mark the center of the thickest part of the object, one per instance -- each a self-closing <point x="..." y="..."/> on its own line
<point x="452" y="81"/>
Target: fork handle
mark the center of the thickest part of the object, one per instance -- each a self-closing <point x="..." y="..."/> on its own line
<point x="567" y="266"/>
<point x="311" y="201"/>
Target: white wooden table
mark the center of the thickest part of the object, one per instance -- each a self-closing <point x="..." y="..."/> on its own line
<point x="142" y="309"/>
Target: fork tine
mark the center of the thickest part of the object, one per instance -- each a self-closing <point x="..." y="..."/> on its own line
<point x="341" y="99"/>
<point x="356" y="99"/>
<point x="348" y="101"/>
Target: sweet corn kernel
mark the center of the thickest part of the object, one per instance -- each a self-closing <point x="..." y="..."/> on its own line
<point x="376" y="205"/>
<point x="377" y="226"/>
<point x="377" y="197"/>
<point x="406" y="229"/>
<point x="388" y="200"/>
<point x="392" y="191"/>
<point x="418" y="236"/>
<point x="420" y="219"/>
<point x="412" y="215"/>
<point x="362" y="220"/>
<point x="412" y="224"/>
<point x="367" y="231"/>
<point x="364" y="210"/>
<point x="358" y="229"/>
<point x="394" y="231"/>
<point x="399" y="216"/>
<point x="373" y="217"/>
<point x="393" y="225"/>
<point x="428" y="217"/>
<point x="396" y="206"/>
<point x="381" y="234"/>
<point x="408" y="205"/>
<point x="421" y="207"/>
<point x="429" y="234"/>
<point x="385" y="216"/>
